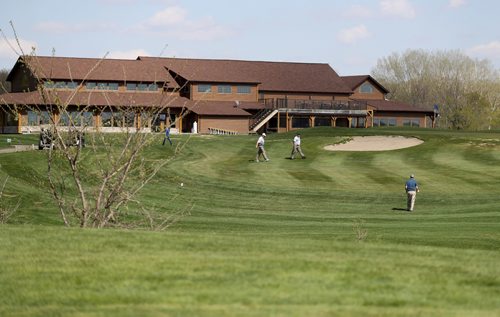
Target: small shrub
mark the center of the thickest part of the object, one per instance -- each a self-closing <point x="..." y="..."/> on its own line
<point x="359" y="230"/>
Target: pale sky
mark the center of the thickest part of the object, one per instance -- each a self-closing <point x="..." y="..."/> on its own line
<point x="348" y="35"/>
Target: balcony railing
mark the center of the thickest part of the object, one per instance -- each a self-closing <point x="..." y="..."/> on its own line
<point x="282" y="103"/>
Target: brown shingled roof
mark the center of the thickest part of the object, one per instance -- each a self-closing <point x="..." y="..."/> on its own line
<point x="117" y="70"/>
<point x="273" y="76"/>
<point x="355" y="81"/>
<point x="111" y="98"/>
<point x="93" y="98"/>
<point x="389" y="105"/>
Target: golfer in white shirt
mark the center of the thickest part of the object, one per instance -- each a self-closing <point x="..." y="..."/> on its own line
<point x="296" y="147"/>
<point x="260" y="148"/>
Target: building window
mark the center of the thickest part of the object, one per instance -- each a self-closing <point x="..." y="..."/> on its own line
<point x="411" y="122"/>
<point x="10" y="119"/>
<point x="87" y="118"/>
<point x="36" y="118"/>
<point x="32" y="118"/>
<point x="102" y="86"/>
<point x="244" y="89"/>
<point x="76" y="118"/>
<point x="91" y="85"/>
<point x="129" y="119"/>
<point x="60" y="84"/>
<point x="107" y="119"/>
<point x="71" y="85"/>
<point x="282" y="121"/>
<point x="358" y="122"/>
<point x="48" y="84"/>
<point x="300" y="122"/>
<point x="64" y="120"/>
<point x="366" y="88"/>
<point x="384" y="122"/>
<point x="142" y="87"/>
<point x="113" y="86"/>
<point x="204" y="88"/>
<point x="44" y="117"/>
<point x="224" y="89"/>
<point x="322" y="122"/>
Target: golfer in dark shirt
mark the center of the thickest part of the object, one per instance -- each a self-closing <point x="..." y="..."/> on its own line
<point x="411" y="188"/>
<point x="167" y="136"/>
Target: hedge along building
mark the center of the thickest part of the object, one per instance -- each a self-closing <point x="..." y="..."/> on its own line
<point x="215" y="96"/>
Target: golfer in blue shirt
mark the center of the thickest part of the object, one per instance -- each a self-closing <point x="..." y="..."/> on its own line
<point x="167" y="136"/>
<point x="411" y="188"/>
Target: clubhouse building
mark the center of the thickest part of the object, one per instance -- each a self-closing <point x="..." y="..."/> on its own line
<point x="196" y="95"/>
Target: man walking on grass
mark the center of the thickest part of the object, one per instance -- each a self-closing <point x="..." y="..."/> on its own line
<point x="167" y="136"/>
<point x="260" y="148"/>
<point x="411" y="188"/>
<point x="296" y="147"/>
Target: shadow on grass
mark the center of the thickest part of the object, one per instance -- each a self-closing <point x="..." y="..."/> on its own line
<point x="399" y="209"/>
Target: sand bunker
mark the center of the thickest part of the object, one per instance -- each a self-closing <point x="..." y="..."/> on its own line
<point x="375" y="143"/>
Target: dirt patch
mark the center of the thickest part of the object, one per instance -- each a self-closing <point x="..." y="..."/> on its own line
<point x="375" y="143"/>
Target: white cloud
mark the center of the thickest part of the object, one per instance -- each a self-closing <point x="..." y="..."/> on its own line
<point x="170" y="16"/>
<point x="131" y="54"/>
<point x="174" y="21"/>
<point x="358" y="11"/>
<point x="352" y="35"/>
<point x="456" y="3"/>
<point x="490" y="50"/>
<point x="398" y="8"/>
<point x="10" y="49"/>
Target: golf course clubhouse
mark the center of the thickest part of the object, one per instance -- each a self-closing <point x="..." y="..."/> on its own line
<point x="196" y="95"/>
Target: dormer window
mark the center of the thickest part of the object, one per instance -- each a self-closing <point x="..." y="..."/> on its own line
<point x="366" y="88"/>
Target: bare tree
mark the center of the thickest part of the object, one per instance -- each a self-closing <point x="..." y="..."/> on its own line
<point x="446" y="78"/>
<point x="96" y="177"/>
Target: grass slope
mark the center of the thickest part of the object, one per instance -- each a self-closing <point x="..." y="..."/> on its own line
<point x="275" y="238"/>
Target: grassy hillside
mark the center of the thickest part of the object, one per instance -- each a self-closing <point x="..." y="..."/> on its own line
<point x="275" y="238"/>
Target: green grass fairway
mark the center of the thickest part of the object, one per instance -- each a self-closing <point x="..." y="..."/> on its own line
<point x="272" y="238"/>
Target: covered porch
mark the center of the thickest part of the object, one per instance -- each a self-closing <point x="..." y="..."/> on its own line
<point x="283" y="115"/>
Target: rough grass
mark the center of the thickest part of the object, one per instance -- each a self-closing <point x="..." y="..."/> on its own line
<point x="276" y="238"/>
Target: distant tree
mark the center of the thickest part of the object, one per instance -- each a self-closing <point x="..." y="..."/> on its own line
<point x="4" y="84"/>
<point x="466" y="89"/>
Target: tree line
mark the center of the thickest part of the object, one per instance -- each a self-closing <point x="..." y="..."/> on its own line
<point x="4" y="84"/>
<point x="466" y="90"/>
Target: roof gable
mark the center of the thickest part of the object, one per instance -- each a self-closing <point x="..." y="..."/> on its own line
<point x="355" y="81"/>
